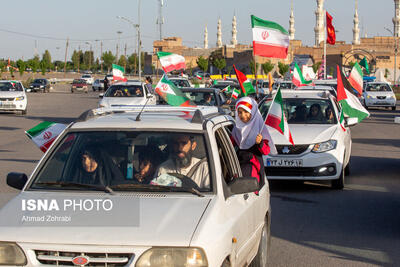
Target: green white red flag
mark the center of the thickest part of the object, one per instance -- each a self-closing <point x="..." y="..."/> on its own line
<point x="356" y="78"/>
<point x="245" y="84"/>
<point x="298" y="78"/>
<point x="269" y="38"/>
<point x="235" y="93"/>
<point x="227" y="89"/>
<point x="199" y="77"/>
<point x="350" y="104"/>
<point x="44" y="134"/>
<point x="170" y="61"/>
<point x="276" y="117"/>
<point x="171" y="93"/>
<point x="118" y="73"/>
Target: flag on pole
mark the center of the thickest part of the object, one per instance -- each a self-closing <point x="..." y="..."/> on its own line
<point x="118" y="73"/>
<point x="170" y="61"/>
<point x="269" y="38"/>
<point x="350" y="104"/>
<point x="44" y="134"/>
<point x="227" y="89"/>
<point x="171" y="94"/>
<point x="341" y="120"/>
<point x="245" y="84"/>
<point x="298" y="78"/>
<point x="198" y="76"/>
<point x="276" y="117"/>
<point x="364" y="63"/>
<point x="356" y="78"/>
<point x="330" y="30"/>
<point x="235" y="93"/>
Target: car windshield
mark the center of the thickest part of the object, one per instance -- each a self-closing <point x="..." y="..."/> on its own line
<point x="10" y="87"/>
<point x="285" y="85"/>
<point x="86" y="76"/>
<point x="180" y="83"/>
<point x="40" y="81"/>
<point x="124" y="91"/>
<point x="378" y="87"/>
<point x="304" y="111"/>
<point x="201" y="98"/>
<point x="127" y="160"/>
<point x="78" y="81"/>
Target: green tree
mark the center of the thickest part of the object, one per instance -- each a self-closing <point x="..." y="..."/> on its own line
<point x="283" y="68"/>
<point x="219" y="63"/>
<point x="43" y="67"/>
<point x="46" y="59"/>
<point x="316" y="66"/>
<point x="122" y="62"/>
<point x="34" y="64"/>
<point x="387" y="72"/>
<point x="132" y="63"/>
<point x="108" y="59"/>
<point x="267" y="67"/>
<point x="88" y="58"/>
<point x="21" y="67"/>
<point x="251" y="66"/>
<point x="229" y="69"/>
<point x="76" y="59"/>
<point x="202" y="63"/>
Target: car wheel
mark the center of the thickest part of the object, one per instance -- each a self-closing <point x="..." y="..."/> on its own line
<point x="394" y="108"/>
<point x="72" y="91"/>
<point x="339" y="183"/>
<point x="261" y="258"/>
<point x="23" y="112"/>
<point x="226" y="263"/>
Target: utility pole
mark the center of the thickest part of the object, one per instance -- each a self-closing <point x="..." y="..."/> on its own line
<point x="101" y="56"/>
<point x="65" y="60"/>
<point x="79" y="56"/>
<point x="139" y="44"/>
<point x="160" y="20"/>
<point x="126" y="59"/>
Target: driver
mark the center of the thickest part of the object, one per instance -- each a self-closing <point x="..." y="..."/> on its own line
<point x="181" y="161"/>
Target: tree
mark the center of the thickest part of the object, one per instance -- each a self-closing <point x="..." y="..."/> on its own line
<point x="108" y="59"/>
<point x="43" y="67"/>
<point x="21" y="67"/>
<point x="251" y="66"/>
<point x="283" y="68"/>
<point x="46" y="59"/>
<point x="387" y="72"/>
<point x="122" y="61"/>
<point x="219" y="63"/>
<point x="132" y="63"/>
<point x="316" y="66"/>
<point x="34" y="64"/>
<point x="88" y="59"/>
<point x="202" y="63"/>
<point x="76" y="58"/>
<point x="229" y="69"/>
<point x="267" y="67"/>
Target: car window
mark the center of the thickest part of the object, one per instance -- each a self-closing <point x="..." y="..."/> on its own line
<point x="285" y="85"/>
<point x="124" y="91"/>
<point x="201" y="98"/>
<point x="10" y="87"/>
<point x="378" y="87"/>
<point x="181" y="83"/>
<point x="304" y="111"/>
<point x="78" y="81"/>
<point x="133" y="160"/>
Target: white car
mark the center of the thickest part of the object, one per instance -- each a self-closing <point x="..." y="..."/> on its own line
<point x="88" y="78"/>
<point x="125" y="94"/>
<point x="180" y="81"/>
<point x="204" y="214"/>
<point x="13" y="97"/>
<point x="98" y="85"/>
<point x="322" y="148"/>
<point x="379" y="94"/>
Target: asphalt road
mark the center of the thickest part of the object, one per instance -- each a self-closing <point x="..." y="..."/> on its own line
<point x="312" y="225"/>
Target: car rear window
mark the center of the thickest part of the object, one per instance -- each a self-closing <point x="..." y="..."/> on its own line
<point x="124" y="91"/>
<point x="378" y="87"/>
<point x="201" y="98"/>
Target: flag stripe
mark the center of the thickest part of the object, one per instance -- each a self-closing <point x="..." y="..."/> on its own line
<point x="257" y="22"/>
<point x="39" y="128"/>
<point x="271" y="37"/>
<point x="171" y="67"/>
<point x="274" y="122"/>
<point x="266" y="50"/>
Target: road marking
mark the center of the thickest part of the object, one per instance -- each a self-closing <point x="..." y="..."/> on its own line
<point x="366" y="188"/>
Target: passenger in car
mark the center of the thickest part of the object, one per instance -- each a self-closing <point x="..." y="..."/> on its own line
<point x="300" y="114"/>
<point x="329" y="115"/>
<point x="315" y="113"/>
<point x="251" y="138"/>
<point x="149" y="160"/>
<point x="206" y="101"/>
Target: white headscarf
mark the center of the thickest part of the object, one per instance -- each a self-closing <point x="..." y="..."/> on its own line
<point x="245" y="133"/>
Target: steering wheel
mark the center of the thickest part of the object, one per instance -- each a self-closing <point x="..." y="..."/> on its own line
<point x="186" y="181"/>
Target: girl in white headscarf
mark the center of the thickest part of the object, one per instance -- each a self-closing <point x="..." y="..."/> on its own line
<point x="251" y="139"/>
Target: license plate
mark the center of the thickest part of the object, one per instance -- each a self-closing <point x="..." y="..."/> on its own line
<point x="284" y="162"/>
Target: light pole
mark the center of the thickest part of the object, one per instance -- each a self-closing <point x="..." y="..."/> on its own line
<point x="118" y="45"/>
<point x="139" y="42"/>
<point x="395" y="54"/>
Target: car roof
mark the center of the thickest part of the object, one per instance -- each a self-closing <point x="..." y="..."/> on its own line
<point x="198" y="89"/>
<point x="128" y="83"/>
<point x="316" y="87"/>
<point x="152" y="118"/>
<point x="327" y="81"/>
<point x="322" y="94"/>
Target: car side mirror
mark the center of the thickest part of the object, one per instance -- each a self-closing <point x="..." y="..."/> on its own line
<point x="243" y="185"/>
<point x="149" y="95"/>
<point x="101" y="95"/>
<point x="17" y="180"/>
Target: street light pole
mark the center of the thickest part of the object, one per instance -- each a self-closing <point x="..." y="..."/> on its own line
<point x="395" y="54"/>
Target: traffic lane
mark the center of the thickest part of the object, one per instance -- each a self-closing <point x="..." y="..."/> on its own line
<point x="359" y="226"/>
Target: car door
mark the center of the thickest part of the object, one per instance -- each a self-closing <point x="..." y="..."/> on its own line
<point x="241" y="207"/>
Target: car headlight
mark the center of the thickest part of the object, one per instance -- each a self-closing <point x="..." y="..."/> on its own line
<point x="324" y="146"/>
<point x="31" y="86"/>
<point x="41" y="86"/>
<point x="370" y="96"/>
<point x="11" y="254"/>
<point x="20" y="98"/>
<point x="160" y="257"/>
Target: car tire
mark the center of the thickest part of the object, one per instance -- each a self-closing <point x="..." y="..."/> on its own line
<point x="261" y="259"/>
<point x="394" y="108"/>
<point x="23" y="112"/>
<point x="338" y="184"/>
<point x="226" y="263"/>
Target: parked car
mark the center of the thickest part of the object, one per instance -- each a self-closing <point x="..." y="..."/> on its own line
<point x="42" y="85"/>
<point x="98" y="85"/>
<point x="180" y="81"/>
<point x="321" y="149"/>
<point x="13" y="97"/>
<point x="126" y="94"/>
<point x="79" y="85"/>
<point x="88" y="78"/>
<point x="379" y="94"/>
<point x="206" y="217"/>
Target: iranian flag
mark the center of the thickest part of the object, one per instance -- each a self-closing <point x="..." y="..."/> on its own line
<point x="245" y="84"/>
<point x="269" y="38"/>
<point x="276" y="117"/>
<point x="356" y="78"/>
<point x="298" y="78"/>
<point x="171" y="94"/>
<point x="170" y="61"/>
<point x="199" y="77"/>
<point x="227" y="89"/>
<point x="235" y="94"/>
<point x="350" y="104"/>
<point x="118" y="73"/>
<point x="44" y="134"/>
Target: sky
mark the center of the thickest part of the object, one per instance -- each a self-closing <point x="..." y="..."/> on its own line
<point x="46" y="24"/>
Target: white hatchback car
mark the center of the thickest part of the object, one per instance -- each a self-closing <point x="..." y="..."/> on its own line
<point x="162" y="190"/>
<point x="13" y="97"/>
<point x="88" y="78"/>
<point x="126" y="94"/>
<point x="379" y="94"/>
<point x="322" y="148"/>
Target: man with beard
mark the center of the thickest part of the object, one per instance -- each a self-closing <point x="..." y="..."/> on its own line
<point x="181" y="161"/>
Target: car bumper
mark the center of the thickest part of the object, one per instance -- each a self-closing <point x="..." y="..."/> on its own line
<point x="380" y="102"/>
<point x="13" y="106"/>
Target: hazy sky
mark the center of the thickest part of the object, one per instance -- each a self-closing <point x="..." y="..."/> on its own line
<point x="96" y="20"/>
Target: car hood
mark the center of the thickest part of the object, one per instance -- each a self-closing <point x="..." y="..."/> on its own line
<point x="305" y="134"/>
<point x="163" y="221"/>
<point x="11" y="94"/>
<point x="380" y="93"/>
<point x="123" y="101"/>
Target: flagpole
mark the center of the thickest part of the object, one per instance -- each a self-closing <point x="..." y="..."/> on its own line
<point x="255" y="72"/>
<point x="325" y="35"/>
